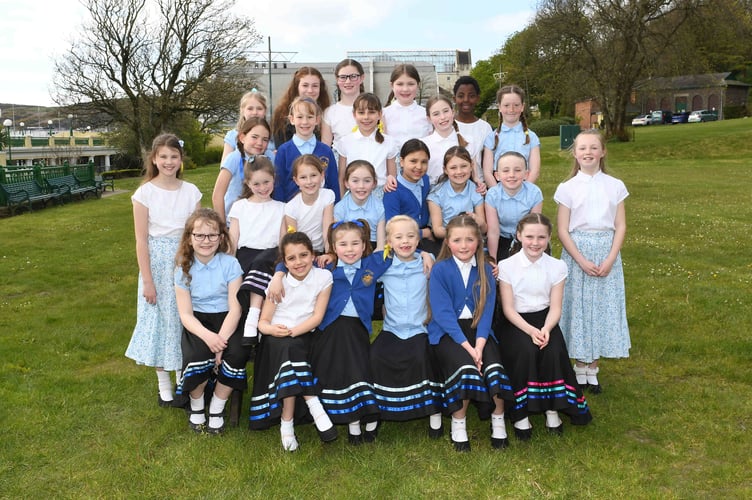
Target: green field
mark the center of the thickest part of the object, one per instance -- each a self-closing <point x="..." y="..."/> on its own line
<point x="80" y="420"/>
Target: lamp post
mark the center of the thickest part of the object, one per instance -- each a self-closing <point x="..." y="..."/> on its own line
<point x="8" y="124"/>
<point x="49" y="125"/>
<point x="70" y="119"/>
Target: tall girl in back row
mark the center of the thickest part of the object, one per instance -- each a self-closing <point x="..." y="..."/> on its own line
<point x="592" y="224"/>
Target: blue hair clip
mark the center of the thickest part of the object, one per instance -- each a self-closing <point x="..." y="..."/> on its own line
<point x="338" y="223"/>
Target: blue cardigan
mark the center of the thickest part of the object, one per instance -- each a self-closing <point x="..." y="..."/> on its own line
<point x="284" y="187"/>
<point x="361" y="291"/>
<point x="448" y="296"/>
<point x="402" y="202"/>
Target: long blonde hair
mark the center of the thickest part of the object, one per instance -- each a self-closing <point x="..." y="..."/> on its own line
<point x="482" y="287"/>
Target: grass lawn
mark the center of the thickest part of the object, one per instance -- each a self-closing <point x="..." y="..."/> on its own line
<point x="81" y="420"/>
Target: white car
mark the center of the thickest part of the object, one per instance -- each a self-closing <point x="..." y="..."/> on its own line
<point x="642" y="120"/>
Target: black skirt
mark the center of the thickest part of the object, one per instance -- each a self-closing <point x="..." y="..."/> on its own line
<point x="281" y="370"/>
<point x="461" y="380"/>
<point x="543" y="379"/>
<point x="339" y="357"/>
<point x="198" y="360"/>
<point x="404" y="380"/>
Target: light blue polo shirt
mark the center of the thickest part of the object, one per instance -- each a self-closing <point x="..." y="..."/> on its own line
<point x="372" y="211"/>
<point x="511" y="139"/>
<point x="453" y="203"/>
<point x="209" y="282"/>
<point x="511" y="209"/>
<point x="405" y="288"/>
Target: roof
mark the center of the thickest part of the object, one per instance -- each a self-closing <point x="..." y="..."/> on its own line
<point x="690" y="82"/>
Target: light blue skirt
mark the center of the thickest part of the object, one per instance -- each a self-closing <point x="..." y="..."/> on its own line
<point x="594" y="313"/>
<point x="156" y="338"/>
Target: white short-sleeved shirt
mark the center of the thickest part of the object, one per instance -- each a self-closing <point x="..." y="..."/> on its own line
<point x="341" y="120"/>
<point x="356" y="146"/>
<point x="475" y="134"/>
<point x="259" y="223"/>
<point x="438" y="146"/>
<point x="592" y="200"/>
<point x="406" y="122"/>
<point x="310" y="218"/>
<point x="532" y="281"/>
<point x="300" y="297"/>
<point x="168" y="209"/>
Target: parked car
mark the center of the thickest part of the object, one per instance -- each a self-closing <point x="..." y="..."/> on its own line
<point x="680" y="117"/>
<point x="642" y="120"/>
<point x="660" y="117"/>
<point x="702" y="115"/>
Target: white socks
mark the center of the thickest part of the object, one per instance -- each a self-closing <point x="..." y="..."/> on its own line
<point x="371" y="426"/>
<point x="552" y="419"/>
<point x="320" y="419"/>
<point x="216" y="407"/>
<point x="353" y="428"/>
<point x="251" y="323"/>
<point x="592" y="375"/>
<point x="434" y="421"/>
<point x="581" y="373"/>
<point x="498" y="427"/>
<point x="165" y="385"/>
<point x="289" y="441"/>
<point x="459" y="430"/>
<point x="197" y="405"/>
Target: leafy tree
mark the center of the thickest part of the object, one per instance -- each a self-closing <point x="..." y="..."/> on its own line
<point x="149" y="64"/>
<point x="606" y="46"/>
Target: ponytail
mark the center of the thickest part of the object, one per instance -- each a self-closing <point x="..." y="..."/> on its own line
<point x="524" y="127"/>
<point x="460" y="140"/>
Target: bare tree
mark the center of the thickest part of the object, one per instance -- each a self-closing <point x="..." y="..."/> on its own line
<point x="147" y="63"/>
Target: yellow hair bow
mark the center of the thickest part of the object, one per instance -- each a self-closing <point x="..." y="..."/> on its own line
<point x="291" y="229"/>
<point x="387" y="251"/>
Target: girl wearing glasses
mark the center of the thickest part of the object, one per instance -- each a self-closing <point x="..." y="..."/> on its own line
<point x="161" y="205"/>
<point x="207" y="280"/>
<point x="338" y="118"/>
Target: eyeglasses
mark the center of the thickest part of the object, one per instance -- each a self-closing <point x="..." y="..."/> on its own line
<point x="201" y="237"/>
<point x="352" y="78"/>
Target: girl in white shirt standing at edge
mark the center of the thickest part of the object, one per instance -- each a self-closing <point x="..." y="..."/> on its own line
<point x="338" y="118"/>
<point x="161" y="206"/>
<point x="591" y="225"/>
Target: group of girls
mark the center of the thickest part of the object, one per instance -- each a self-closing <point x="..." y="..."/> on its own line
<point x="437" y="352"/>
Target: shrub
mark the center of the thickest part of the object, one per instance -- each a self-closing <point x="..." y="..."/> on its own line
<point x="213" y="154"/>
<point x="550" y="128"/>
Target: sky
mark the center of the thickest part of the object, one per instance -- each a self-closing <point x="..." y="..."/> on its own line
<point x="33" y="35"/>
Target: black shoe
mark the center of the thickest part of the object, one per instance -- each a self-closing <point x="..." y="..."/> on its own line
<point x="523" y="434"/>
<point x="499" y="443"/>
<point x="197" y="428"/>
<point x="328" y="435"/>
<point x="461" y="446"/>
<point x="355" y="439"/>
<point x="558" y="431"/>
<point x="370" y="436"/>
<point x="595" y="389"/>
<point x="162" y="403"/>
<point x="216" y="430"/>
<point x="436" y="433"/>
<point x="180" y="401"/>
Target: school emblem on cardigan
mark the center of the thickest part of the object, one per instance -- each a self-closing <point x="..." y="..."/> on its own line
<point x="324" y="161"/>
<point x="367" y="278"/>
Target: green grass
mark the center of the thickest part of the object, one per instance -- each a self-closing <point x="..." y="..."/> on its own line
<point x="81" y="420"/>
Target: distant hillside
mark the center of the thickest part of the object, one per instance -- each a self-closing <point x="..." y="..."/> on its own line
<point x="38" y="116"/>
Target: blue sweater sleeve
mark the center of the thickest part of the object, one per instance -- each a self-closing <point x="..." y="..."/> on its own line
<point x="331" y="177"/>
<point x="391" y="204"/>
<point x="483" y="329"/>
<point x="442" y="307"/>
<point x="281" y="175"/>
